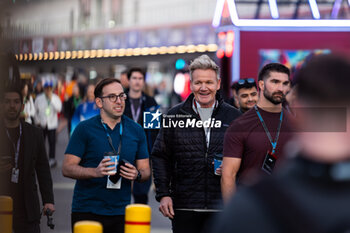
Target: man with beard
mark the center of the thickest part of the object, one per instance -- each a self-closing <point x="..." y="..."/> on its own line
<point x="23" y="165"/>
<point x="254" y="143"/>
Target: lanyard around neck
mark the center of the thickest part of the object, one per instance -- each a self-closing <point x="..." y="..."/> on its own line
<point x="135" y="115"/>
<point x="109" y="138"/>
<point x="206" y="130"/>
<point x="273" y="143"/>
<point x="17" y="146"/>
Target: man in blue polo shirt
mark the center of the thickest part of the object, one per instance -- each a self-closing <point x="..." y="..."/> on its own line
<point x="95" y="196"/>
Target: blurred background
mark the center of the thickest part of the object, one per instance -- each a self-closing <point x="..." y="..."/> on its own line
<point x="92" y="39"/>
<point x="82" y="41"/>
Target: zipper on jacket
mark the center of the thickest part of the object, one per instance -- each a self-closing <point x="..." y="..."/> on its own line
<point x="206" y="180"/>
<point x="206" y="149"/>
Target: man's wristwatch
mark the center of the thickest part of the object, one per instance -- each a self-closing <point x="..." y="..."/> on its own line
<point x="138" y="177"/>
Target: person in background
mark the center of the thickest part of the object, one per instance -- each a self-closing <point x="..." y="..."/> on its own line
<point x="135" y="106"/>
<point x="124" y="80"/>
<point x="70" y="85"/>
<point x="38" y="88"/>
<point x="291" y="97"/>
<point x="47" y="106"/>
<point x="29" y="109"/>
<point x="86" y="109"/>
<point x="233" y="100"/>
<point x="71" y="105"/>
<point x="60" y="91"/>
<point x="246" y="94"/>
<point x="23" y="165"/>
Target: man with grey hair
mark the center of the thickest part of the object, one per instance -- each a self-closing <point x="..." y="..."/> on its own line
<point x="187" y="186"/>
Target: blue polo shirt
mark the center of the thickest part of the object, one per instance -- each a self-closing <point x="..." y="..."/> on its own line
<point x="89" y="142"/>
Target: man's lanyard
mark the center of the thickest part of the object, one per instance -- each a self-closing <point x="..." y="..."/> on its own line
<point x="206" y="130"/>
<point x="48" y="101"/>
<point x="16" y="147"/>
<point x="274" y="144"/>
<point x="110" y="138"/>
<point x="135" y="115"/>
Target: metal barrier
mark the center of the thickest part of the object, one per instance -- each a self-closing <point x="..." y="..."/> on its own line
<point x="137" y="218"/>
<point x="88" y="227"/>
<point x="6" y="211"/>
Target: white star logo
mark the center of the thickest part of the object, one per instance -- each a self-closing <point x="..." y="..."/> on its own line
<point x="156" y="115"/>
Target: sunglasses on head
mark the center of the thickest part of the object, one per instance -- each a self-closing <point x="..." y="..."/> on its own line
<point x="247" y="80"/>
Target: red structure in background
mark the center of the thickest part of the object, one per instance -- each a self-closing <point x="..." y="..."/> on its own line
<point x="252" y="41"/>
<point x="252" y="35"/>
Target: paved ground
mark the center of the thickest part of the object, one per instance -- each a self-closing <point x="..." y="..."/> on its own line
<point x="63" y="190"/>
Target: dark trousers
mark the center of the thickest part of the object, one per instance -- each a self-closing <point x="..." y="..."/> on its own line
<point x="111" y="224"/>
<point x="191" y="221"/>
<point x="140" y="191"/>
<point x="21" y="225"/>
<point x="51" y="135"/>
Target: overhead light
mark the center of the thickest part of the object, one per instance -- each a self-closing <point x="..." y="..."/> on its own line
<point x="218" y="12"/>
<point x="181" y="49"/>
<point x="293" y="23"/>
<point x="51" y="55"/>
<point x="280" y="22"/>
<point x="93" y="53"/>
<point x="129" y="52"/>
<point x="121" y="53"/>
<point x="137" y="51"/>
<point x="163" y="49"/>
<point x="106" y="53"/>
<point x="87" y="54"/>
<point x="145" y="51"/>
<point x="99" y="53"/>
<point x="80" y="54"/>
<point x="114" y="52"/>
<point x="74" y="55"/>
<point x="212" y="47"/>
<point x="191" y="48"/>
<point x="111" y="23"/>
<point x="172" y="50"/>
<point x="273" y="9"/>
<point x="154" y="51"/>
<point x="57" y="55"/>
<point x="62" y="55"/>
<point x="314" y="9"/>
<point x="201" y="48"/>
<point x="68" y="54"/>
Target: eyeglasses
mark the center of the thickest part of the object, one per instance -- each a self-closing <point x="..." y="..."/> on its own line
<point x="113" y="98"/>
<point x="244" y="81"/>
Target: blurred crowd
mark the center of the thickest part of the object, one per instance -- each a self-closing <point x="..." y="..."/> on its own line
<point x="55" y="102"/>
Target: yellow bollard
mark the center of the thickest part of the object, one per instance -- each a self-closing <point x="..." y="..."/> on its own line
<point x="137" y="219"/>
<point x="6" y="211"/>
<point x="88" y="227"/>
